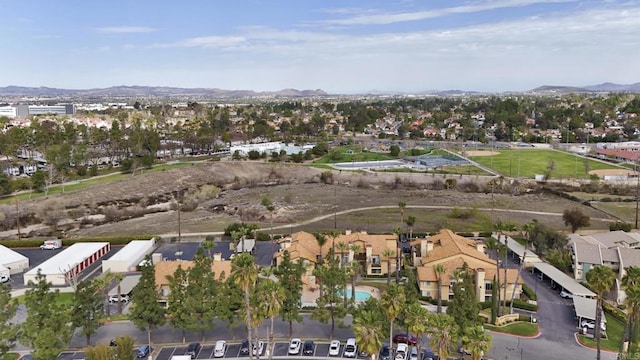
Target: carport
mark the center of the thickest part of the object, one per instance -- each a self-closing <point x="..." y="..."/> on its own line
<point x="564" y="280"/>
<point x="586" y="310"/>
<point x="518" y="249"/>
<point x="126" y="285"/>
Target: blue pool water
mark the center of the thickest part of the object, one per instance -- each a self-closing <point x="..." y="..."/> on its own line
<point x="361" y="295"/>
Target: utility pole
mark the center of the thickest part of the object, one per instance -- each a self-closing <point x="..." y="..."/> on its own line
<point x="18" y="218"/>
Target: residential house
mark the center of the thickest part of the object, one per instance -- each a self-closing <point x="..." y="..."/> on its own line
<point x="615" y="249"/>
<point x="221" y="270"/>
<point x="453" y="251"/>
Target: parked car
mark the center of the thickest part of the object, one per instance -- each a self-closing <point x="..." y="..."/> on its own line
<point x="113" y="342"/>
<point x="405" y="339"/>
<point x="193" y="350"/>
<point x="121" y="298"/>
<point x="220" y="348"/>
<point x="309" y="347"/>
<point x="565" y="294"/>
<point x="401" y="351"/>
<point x="591" y="324"/>
<point x="143" y="351"/>
<point x="334" y="348"/>
<point x="413" y="355"/>
<point x="385" y="352"/>
<point x="244" y="347"/>
<point x="259" y="348"/>
<point x="294" y="346"/>
<point x="4" y="278"/>
<point x="351" y="348"/>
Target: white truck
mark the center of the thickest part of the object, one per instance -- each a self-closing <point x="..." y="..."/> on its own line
<point x="181" y="357"/>
<point x="51" y="244"/>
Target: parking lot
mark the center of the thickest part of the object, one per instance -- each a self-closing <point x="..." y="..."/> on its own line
<point x="233" y="351"/>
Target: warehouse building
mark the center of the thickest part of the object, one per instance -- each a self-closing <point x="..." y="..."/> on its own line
<point x="13" y="261"/>
<point x="129" y="256"/>
<point x="69" y="263"/>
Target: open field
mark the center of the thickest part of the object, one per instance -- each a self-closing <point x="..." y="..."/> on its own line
<point x="529" y="162"/>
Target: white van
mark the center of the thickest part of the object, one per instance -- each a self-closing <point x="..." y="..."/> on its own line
<point x="351" y="348"/>
<point x="51" y="244"/>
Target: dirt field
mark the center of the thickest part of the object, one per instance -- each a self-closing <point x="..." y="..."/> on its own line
<point x="612" y="172"/>
<point x="298" y="196"/>
<point x="481" y="153"/>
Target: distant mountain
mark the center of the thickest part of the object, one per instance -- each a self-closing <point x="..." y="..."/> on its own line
<point x="604" y="87"/>
<point x="611" y="87"/>
<point x="159" y="91"/>
<point x="559" y="89"/>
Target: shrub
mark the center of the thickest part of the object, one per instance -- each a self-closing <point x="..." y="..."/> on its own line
<point x="615" y="312"/>
<point x="620" y="225"/>
<point x="326" y="177"/>
<point x="450" y="184"/>
<point x="263" y="236"/>
<point x="517" y="303"/>
<point x="528" y="292"/>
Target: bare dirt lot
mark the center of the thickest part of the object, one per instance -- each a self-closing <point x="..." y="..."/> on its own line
<point x="299" y="196"/>
<point x="481" y="153"/>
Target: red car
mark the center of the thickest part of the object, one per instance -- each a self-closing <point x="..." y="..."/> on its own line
<point x="405" y="338"/>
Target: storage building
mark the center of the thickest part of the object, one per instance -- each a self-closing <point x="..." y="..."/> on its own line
<point x="129" y="256"/>
<point x="14" y="261"/>
<point x="68" y="263"/>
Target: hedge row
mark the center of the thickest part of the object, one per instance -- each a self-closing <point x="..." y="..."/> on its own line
<point x="517" y="303"/>
<point x="114" y="240"/>
<point x="615" y="312"/>
<point x="530" y="294"/>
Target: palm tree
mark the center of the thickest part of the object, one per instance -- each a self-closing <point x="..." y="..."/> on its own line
<point x="245" y="274"/>
<point x="526" y="228"/>
<point x="601" y="279"/>
<point x="411" y="220"/>
<point x="439" y="269"/>
<point x="416" y="320"/>
<point x="368" y="331"/>
<point x="502" y="227"/>
<point x="393" y="300"/>
<point x="476" y="341"/>
<point x="118" y="278"/>
<point x="443" y="333"/>
<point x="398" y="232"/>
<point x="343" y="248"/>
<point x="387" y="254"/>
<point x="272" y="298"/>
<point x="493" y="244"/>
<point x="402" y="205"/>
<point x="268" y="204"/>
<point x="354" y="270"/>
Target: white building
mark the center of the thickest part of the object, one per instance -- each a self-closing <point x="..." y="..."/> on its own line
<point x="129" y="256"/>
<point x="69" y="263"/>
<point x="13" y="261"/>
<point x="8" y="111"/>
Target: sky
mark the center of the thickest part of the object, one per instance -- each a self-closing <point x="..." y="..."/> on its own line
<point x="340" y="46"/>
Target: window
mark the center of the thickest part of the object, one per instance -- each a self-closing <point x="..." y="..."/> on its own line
<point x="376" y="271"/>
<point x="488" y="286"/>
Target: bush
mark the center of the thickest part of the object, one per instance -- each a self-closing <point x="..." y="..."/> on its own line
<point x="326" y="177"/>
<point x="263" y="236"/>
<point x="620" y="225"/>
<point x="450" y="184"/>
<point x="615" y="312"/>
<point x="234" y="227"/>
<point x="523" y="305"/>
<point x="528" y="292"/>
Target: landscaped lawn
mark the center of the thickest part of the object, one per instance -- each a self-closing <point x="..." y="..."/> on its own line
<point x="615" y="331"/>
<point x="521" y="328"/>
<point x="65" y="299"/>
<point x="529" y="162"/>
<point x="351" y="154"/>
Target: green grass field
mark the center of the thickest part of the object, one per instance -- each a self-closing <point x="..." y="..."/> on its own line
<point x="517" y="328"/>
<point x="527" y="163"/>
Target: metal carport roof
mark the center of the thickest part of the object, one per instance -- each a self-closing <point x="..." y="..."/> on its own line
<point x="518" y="248"/>
<point x="562" y="279"/>
<point x="127" y="285"/>
<point x="586" y="308"/>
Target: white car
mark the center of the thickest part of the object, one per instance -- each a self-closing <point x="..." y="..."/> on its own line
<point x="566" y="295"/>
<point x="120" y="298"/>
<point x="258" y="350"/>
<point x="401" y="351"/>
<point x="220" y="348"/>
<point x="294" y="346"/>
<point x="351" y="348"/>
<point x="4" y="278"/>
<point x="334" y="348"/>
<point x="590" y="324"/>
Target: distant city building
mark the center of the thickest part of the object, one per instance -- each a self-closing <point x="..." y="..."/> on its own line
<point x="24" y="111"/>
<point x="8" y="111"/>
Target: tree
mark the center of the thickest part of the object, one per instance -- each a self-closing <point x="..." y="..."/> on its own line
<point x="502" y="227"/>
<point x="47" y="328"/>
<point x="600" y="279"/>
<point x="99" y="352"/>
<point x="268" y="204"/>
<point x="200" y="293"/>
<point x="464" y="306"/>
<point x="393" y="301"/>
<point x="271" y="296"/>
<point x="493" y="244"/>
<point x="289" y="273"/>
<point x="367" y="328"/>
<point x="245" y="273"/>
<point x="575" y="219"/>
<point x="440" y="270"/>
<point x="146" y="313"/>
<point x="417" y="320"/>
<point x="476" y="341"/>
<point x="394" y="150"/>
<point x="398" y="232"/>
<point x="331" y="278"/>
<point x="124" y="348"/>
<point x="87" y="308"/>
<point x="39" y="180"/>
<point x="410" y="221"/>
<point x="526" y="228"/>
<point x="388" y="254"/>
<point x="631" y="283"/>
<point x="176" y="309"/>
<point x="8" y="330"/>
<point x="443" y="333"/>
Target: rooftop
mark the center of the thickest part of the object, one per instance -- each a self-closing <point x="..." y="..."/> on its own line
<point x="68" y="258"/>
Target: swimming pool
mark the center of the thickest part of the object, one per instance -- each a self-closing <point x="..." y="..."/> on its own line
<point x="361" y="295"/>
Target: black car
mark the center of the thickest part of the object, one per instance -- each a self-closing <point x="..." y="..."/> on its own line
<point x="113" y="342"/>
<point x="244" y="347"/>
<point x="308" y="348"/>
<point x="193" y="350"/>
<point x="385" y="352"/>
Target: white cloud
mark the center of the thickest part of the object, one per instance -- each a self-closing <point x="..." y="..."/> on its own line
<point x="125" y="29"/>
<point x="397" y="17"/>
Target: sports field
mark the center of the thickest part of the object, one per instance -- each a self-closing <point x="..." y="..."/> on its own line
<point x="526" y="163"/>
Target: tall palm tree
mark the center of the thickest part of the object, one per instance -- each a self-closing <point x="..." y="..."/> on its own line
<point x="354" y="270"/>
<point x="245" y="274"/>
<point x="493" y="244"/>
<point x="502" y="227"/>
<point x="398" y="232"/>
<point x="393" y="300"/>
<point x="476" y="341"/>
<point x="439" y="269"/>
<point x="411" y="221"/>
<point x="443" y="333"/>
<point x="368" y="331"/>
<point x="601" y="279"/>
<point x="631" y="283"/>
<point x="402" y="205"/>
<point x="416" y="320"/>
<point x="272" y="297"/>
<point x="118" y="278"/>
<point x="343" y="248"/>
<point x="387" y="254"/>
<point x="526" y="228"/>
